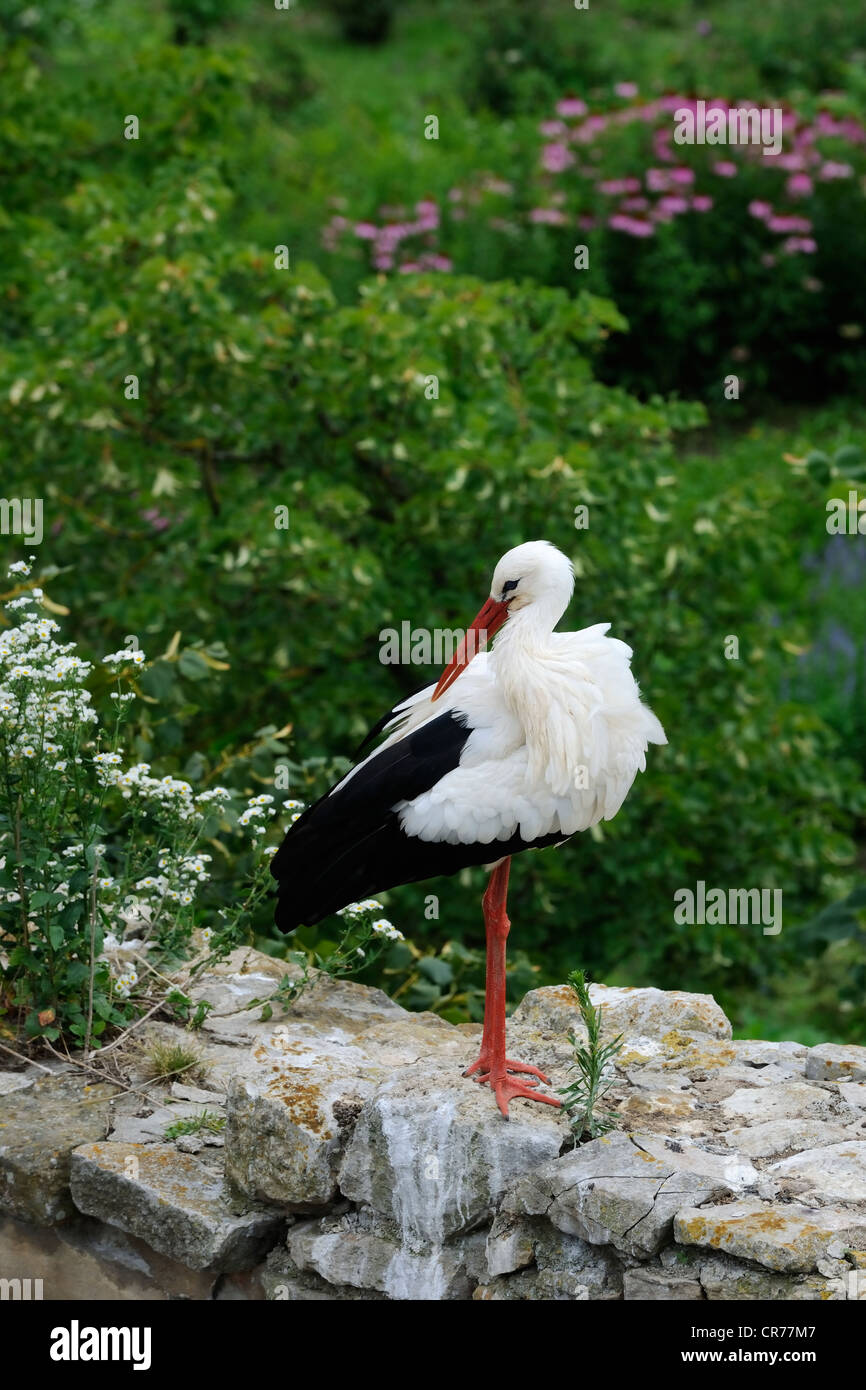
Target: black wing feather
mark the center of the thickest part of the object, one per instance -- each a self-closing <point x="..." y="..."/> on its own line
<point x="350" y="845"/>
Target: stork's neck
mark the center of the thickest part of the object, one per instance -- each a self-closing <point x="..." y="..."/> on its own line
<point x="528" y="629"/>
<point x="531" y="683"/>
<point x="518" y="656"/>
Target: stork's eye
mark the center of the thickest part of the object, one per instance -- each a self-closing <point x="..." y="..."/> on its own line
<point x="509" y="585"/>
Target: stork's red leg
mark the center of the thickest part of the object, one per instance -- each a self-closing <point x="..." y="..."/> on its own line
<point x="493" y="1066"/>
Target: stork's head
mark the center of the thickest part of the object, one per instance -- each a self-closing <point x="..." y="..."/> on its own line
<point x="534" y="575"/>
<point x="535" y="572"/>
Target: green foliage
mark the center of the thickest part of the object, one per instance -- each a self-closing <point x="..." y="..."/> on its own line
<point x="516" y="52"/>
<point x="364" y="21"/>
<point x="208" y="1122"/>
<point x="162" y="1061"/>
<point x="194" y="20"/>
<point x="841" y="928"/>
<point x="408" y="432"/>
<point x="365" y="936"/>
<point x="592" y="1062"/>
<point x="330" y="417"/>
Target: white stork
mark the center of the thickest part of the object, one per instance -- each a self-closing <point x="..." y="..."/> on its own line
<point x="533" y="741"/>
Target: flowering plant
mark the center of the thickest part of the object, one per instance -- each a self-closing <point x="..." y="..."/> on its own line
<point x="717" y="253"/>
<point x="101" y="864"/>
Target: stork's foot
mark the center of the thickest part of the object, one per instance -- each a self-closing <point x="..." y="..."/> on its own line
<point x="484" y="1064"/>
<point x="506" y="1087"/>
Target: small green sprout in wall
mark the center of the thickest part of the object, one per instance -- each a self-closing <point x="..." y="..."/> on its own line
<point x="193" y="1016"/>
<point x="208" y="1121"/>
<point x="582" y="1098"/>
<point x="165" y="1061"/>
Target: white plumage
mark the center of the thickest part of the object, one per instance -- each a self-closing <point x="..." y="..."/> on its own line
<point x="558" y="730"/>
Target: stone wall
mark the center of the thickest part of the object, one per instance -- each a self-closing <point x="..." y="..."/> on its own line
<point x="356" y="1162"/>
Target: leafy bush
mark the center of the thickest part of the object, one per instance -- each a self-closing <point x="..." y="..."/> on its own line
<point x="515" y="53"/>
<point x="723" y="261"/>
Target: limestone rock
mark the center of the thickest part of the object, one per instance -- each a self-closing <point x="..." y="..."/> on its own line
<point x="15" y="1081"/>
<point x="290" y="1113"/>
<point x="341" y="1006"/>
<point x="727" y="1280"/>
<point x="614" y="1191"/>
<point x="366" y="1252"/>
<point x="516" y="1243"/>
<point x="39" y="1128"/>
<point x="659" y="1285"/>
<point x="432" y="1152"/>
<point x="597" y="1279"/>
<point x="787" y="1238"/>
<point x="130" y="1126"/>
<point x="511" y="1243"/>
<point x="195" y="1093"/>
<point x="789" y="1100"/>
<point x="175" y="1202"/>
<point x="647" y="1013"/>
<point x="282" y="1281"/>
<point x="853" y="1093"/>
<point x="834" y="1062"/>
<point x="775" y="1137"/>
<point x="833" y="1173"/>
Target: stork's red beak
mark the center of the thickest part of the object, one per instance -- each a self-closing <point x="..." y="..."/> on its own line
<point x="485" y="626"/>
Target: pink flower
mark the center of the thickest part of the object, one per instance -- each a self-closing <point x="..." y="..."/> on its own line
<point x="725" y="168"/>
<point x="658" y="180"/>
<point x="571" y="106"/>
<point x="799" y="185"/>
<point x="434" y="261"/>
<point x="427" y="208"/>
<point x="681" y="176"/>
<point x="366" y="231"/>
<point x="832" y="170"/>
<point x="383" y="262"/>
<point x="626" y="90"/>
<point x="661" y="145"/>
<point x="759" y="209"/>
<point x="634" y="205"/>
<point x="615" y="187"/>
<point x="551" y="216"/>
<point x="556" y="157"/>
<point x="587" y="223"/>
<point x="551" y="129"/>
<point x="799" y="243"/>
<point x="408" y="268"/>
<point x="792" y="162"/>
<point x="701" y="203"/>
<point x="783" y="223"/>
<point x="592" y="126"/>
<point x="673" y="203"/>
<point x="632" y="226"/>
